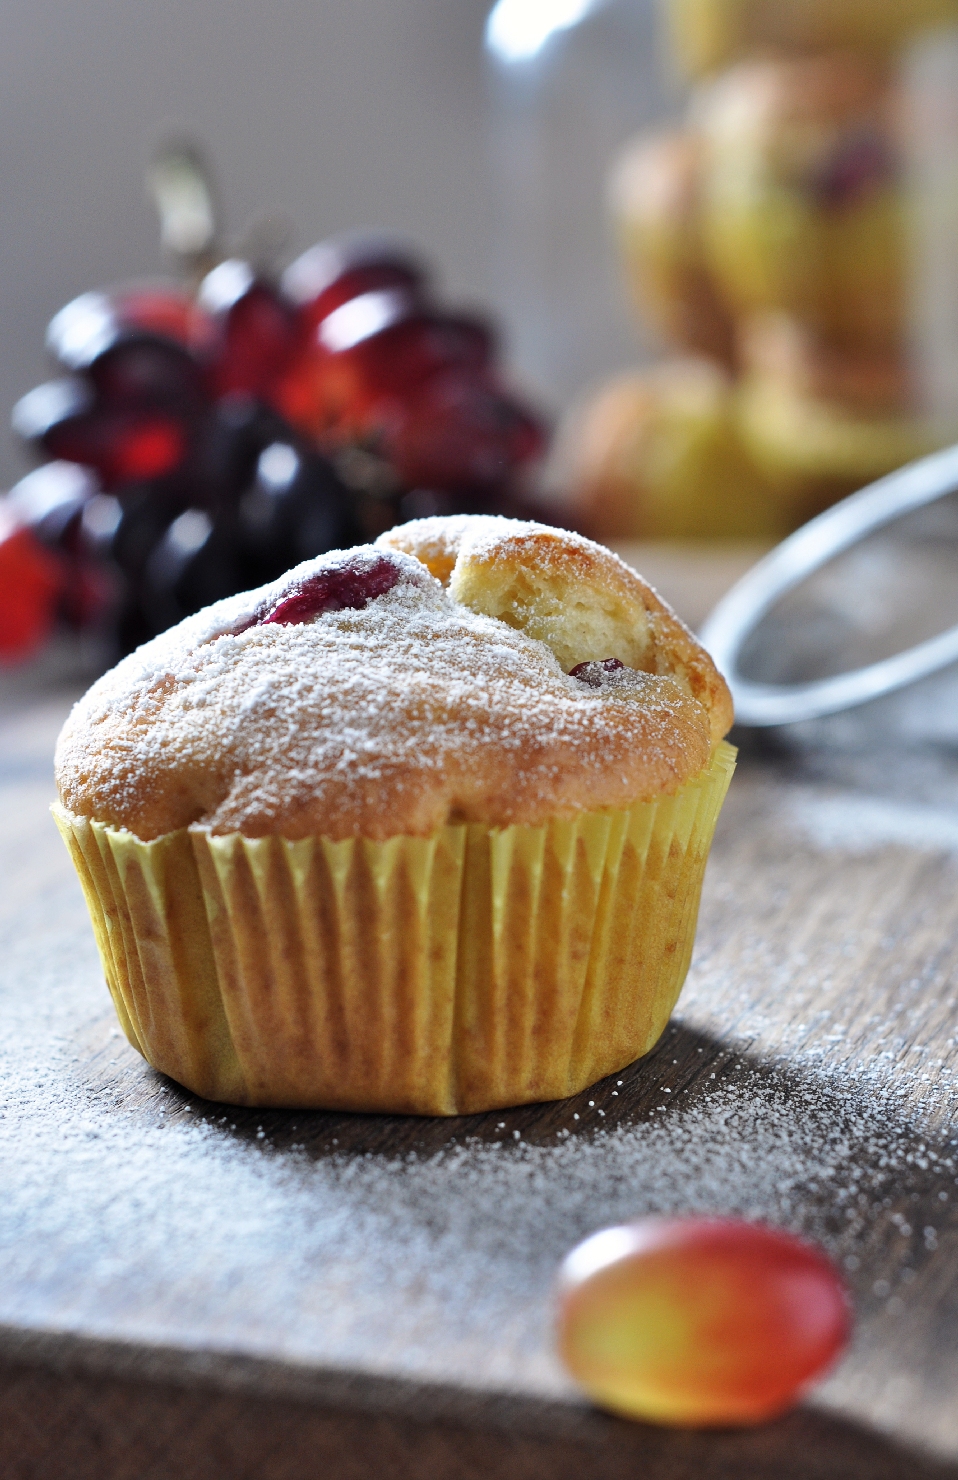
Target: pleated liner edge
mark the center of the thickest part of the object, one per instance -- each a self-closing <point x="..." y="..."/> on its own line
<point x="471" y="970"/>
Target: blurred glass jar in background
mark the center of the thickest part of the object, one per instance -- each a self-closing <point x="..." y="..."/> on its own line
<point x="791" y="238"/>
<point x="930" y="80"/>
<point x="569" y="81"/>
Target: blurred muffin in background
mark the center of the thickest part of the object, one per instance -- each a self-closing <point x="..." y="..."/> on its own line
<point x="820" y="421"/>
<point x="709" y="34"/>
<point x="655" y="196"/>
<point x="803" y="204"/>
<point x="657" y="454"/>
<point x="869" y="381"/>
<point x="771" y="237"/>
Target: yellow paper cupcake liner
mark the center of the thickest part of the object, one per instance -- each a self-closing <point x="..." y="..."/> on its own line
<point x="471" y="970"/>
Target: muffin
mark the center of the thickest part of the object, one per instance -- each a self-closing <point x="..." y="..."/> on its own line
<point x="420" y="827"/>
<point x="655" y="196"/>
<point x="864" y="381"/>
<point x="804" y="206"/>
<point x="822" y="420"/>
<point x="710" y="34"/>
<point x="814" y="450"/>
<point x="657" y="454"/>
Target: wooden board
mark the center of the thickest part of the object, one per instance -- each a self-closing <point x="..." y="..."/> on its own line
<point x="188" y="1289"/>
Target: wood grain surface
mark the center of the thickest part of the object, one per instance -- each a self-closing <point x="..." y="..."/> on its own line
<point x="195" y="1290"/>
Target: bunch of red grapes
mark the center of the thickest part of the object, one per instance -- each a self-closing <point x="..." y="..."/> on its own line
<point x="199" y="445"/>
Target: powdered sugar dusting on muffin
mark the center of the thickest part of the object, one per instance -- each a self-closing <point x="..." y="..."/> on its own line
<point x="574" y="595"/>
<point x="373" y="720"/>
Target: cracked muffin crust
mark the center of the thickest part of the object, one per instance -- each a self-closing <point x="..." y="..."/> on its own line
<point x="463" y="669"/>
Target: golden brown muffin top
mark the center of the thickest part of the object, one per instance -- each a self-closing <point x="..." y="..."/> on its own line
<point x="359" y="696"/>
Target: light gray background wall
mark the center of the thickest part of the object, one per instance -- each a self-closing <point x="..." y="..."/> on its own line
<point x="340" y="112"/>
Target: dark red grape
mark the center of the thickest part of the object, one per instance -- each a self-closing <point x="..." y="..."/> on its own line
<point x="330" y="274"/>
<point x="255" y="331"/>
<point x="294" y="508"/>
<point x="52" y="502"/>
<point x="234" y="433"/>
<point x="363" y="320"/>
<point x="596" y="674"/>
<point x="89" y="325"/>
<point x="99" y="522"/>
<point x="135" y="349"/>
<point x="65" y="420"/>
<point x="278" y="495"/>
<point x="150" y="449"/>
<point x="397" y="358"/>
<point x="148" y="375"/>
<point x="51" y="405"/>
<point x="51" y="499"/>
<point x="122" y="448"/>
<point x="90" y="593"/>
<point x="142" y="610"/>
<point x="343" y="587"/>
<point x="299" y="395"/>
<point x="169" y="312"/>
<point x="460" y="432"/>
<point x="385" y="373"/>
<point x="364" y="361"/>
<point x="31" y="579"/>
<point x="194" y="563"/>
